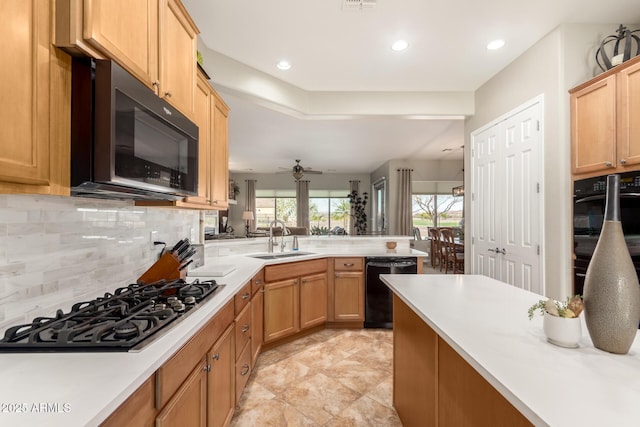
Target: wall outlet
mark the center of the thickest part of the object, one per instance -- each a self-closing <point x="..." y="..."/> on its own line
<point x="152" y="238"/>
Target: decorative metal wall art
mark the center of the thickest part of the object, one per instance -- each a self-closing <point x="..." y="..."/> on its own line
<point x="620" y="47"/>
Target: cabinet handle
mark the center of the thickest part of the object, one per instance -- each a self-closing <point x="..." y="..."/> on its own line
<point x="349" y="264"/>
<point x="258" y="282"/>
<point x="216" y="356"/>
<point x="245" y="296"/>
<point x="167" y="94"/>
<point x="262" y="290"/>
<point x="623" y="162"/>
<point x="245" y="328"/>
<point x="245" y="370"/>
<point x="155" y="83"/>
<point x="207" y="368"/>
<point x="608" y="164"/>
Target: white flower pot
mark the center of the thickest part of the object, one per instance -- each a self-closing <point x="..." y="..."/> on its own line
<point x="562" y="331"/>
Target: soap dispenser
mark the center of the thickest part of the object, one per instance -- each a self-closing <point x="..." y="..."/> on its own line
<point x="295" y="243"/>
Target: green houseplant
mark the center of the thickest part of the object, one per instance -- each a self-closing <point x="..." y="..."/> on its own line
<point x="359" y="216"/>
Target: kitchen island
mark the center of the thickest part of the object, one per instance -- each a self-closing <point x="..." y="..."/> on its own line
<point x="84" y="388"/>
<point x="476" y="359"/>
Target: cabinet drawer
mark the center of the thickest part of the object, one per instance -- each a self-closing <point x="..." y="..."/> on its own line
<point x="243" y="371"/>
<point x="177" y="369"/>
<point x="274" y="273"/>
<point x="242" y="298"/>
<point x="243" y="329"/>
<point x="257" y="282"/>
<point x="348" y="264"/>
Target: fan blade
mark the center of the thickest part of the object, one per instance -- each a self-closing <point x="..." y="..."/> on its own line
<point x="309" y="171"/>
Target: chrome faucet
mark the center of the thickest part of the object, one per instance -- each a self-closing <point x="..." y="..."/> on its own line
<point x="271" y="241"/>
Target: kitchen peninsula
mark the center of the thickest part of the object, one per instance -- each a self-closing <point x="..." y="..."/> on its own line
<point x="466" y="353"/>
<point x="86" y="388"/>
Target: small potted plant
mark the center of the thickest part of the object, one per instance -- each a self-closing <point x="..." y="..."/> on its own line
<point x="561" y="323"/>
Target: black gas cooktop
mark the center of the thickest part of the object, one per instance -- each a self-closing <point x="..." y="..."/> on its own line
<point x="124" y="320"/>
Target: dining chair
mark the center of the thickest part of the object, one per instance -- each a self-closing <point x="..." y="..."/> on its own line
<point x="436" y="253"/>
<point x="453" y="258"/>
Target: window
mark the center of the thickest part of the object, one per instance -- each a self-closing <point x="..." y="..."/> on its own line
<point x="275" y="204"/>
<point x="327" y="209"/>
<point x="436" y="210"/>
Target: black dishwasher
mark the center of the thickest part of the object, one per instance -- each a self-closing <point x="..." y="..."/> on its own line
<point x="378" y="299"/>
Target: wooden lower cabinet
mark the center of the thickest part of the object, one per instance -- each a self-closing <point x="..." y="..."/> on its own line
<point x="346" y="291"/>
<point x="221" y="381"/>
<point x="434" y="386"/>
<point x="313" y="300"/>
<point x="257" y="324"/>
<point x="243" y="371"/>
<point x="188" y="407"/>
<point x="137" y="411"/>
<point x="281" y="309"/>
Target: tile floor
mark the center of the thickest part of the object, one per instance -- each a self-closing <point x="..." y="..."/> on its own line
<point x="335" y="377"/>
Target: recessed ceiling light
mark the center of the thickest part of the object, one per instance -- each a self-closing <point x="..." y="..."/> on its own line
<point x="496" y="44"/>
<point x="400" y="45"/>
<point x="284" y="65"/>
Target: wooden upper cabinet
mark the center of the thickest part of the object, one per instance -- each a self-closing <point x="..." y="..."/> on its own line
<point x="628" y="114"/>
<point x="220" y="154"/>
<point x="177" y="55"/>
<point x="605" y="137"/>
<point x="202" y="117"/>
<point x="155" y="40"/>
<point x="127" y="31"/>
<point x="36" y="84"/>
<point x="593" y="127"/>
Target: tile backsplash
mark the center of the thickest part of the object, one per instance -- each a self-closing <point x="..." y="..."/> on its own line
<point x="55" y="251"/>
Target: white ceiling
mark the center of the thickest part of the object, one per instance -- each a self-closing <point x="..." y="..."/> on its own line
<point x="333" y="49"/>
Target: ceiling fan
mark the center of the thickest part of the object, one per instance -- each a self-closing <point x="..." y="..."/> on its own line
<point x="298" y="171"/>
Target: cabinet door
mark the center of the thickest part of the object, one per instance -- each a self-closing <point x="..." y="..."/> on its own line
<point x="313" y="300"/>
<point x="281" y="309"/>
<point x="220" y="154"/>
<point x="137" y="411"/>
<point x="593" y="127"/>
<point x="188" y="406"/>
<point x="202" y="117"/>
<point x="628" y="114"/>
<point x="126" y="31"/>
<point x="177" y="56"/>
<point x="35" y="82"/>
<point x="257" y="323"/>
<point x="221" y="381"/>
<point x="348" y="291"/>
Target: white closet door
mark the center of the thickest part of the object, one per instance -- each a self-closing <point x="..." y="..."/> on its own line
<point x="520" y="224"/>
<point x="507" y="171"/>
<point x="486" y="231"/>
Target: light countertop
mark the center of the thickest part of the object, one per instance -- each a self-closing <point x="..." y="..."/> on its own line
<point x="486" y="322"/>
<point x="77" y="389"/>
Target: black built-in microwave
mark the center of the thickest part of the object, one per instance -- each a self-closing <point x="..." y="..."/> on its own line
<point x="126" y="142"/>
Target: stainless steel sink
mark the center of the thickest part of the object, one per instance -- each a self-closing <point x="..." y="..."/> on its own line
<point x="279" y="255"/>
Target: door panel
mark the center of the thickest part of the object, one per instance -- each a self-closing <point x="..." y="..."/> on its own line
<point x="506" y="170"/>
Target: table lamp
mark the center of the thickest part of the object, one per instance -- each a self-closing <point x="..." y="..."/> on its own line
<point x="247" y="216"/>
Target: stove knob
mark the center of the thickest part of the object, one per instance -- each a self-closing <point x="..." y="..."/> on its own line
<point x="172" y="300"/>
<point x="190" y="300"/>
<point x="179" y="307"/>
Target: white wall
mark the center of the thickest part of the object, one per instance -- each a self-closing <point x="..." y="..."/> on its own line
<point x="559" y="61"/>
<point x="425" y="170"/>
<point x="56" y="251"/>
<point x="285" y="181"/>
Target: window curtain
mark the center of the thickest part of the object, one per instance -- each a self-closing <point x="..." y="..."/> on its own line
<point x="353" y="186"/>
<point x="302" y="202"/>
<point x="405" y="207"/>
<point x="250" y="202"/>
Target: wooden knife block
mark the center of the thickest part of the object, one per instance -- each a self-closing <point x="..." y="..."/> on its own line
<point x="165" y="268"/>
